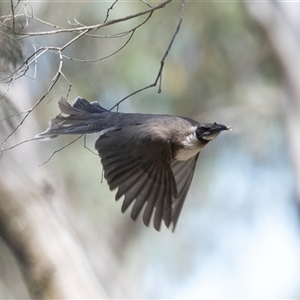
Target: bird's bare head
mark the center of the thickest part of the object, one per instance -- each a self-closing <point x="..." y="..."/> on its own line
<point x="210" y="131"/>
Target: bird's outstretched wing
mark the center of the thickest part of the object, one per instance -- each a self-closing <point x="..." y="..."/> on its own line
<point x="183" y="172"/>
<point x="141" y="169"/>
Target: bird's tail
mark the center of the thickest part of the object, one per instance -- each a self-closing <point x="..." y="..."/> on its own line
<point x="80" y="120"/>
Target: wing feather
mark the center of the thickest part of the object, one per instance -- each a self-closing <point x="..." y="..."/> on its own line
<point x="135" y="188"/>
<point x="143" y="197"/>
<point x="159" y="205"/>
<point x="136" y="180"/>
<point x="143" y="174"/>
<point x="183" y="172"/>
<point x="155" y="196"/>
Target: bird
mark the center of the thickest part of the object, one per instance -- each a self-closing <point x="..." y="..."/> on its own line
<point x="149" y="158"/>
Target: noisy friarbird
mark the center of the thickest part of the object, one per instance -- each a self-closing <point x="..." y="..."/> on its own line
<point x="149" y="158"/>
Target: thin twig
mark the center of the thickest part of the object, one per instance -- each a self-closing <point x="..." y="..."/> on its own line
<point x="145" y="2"/>
<point x="60" y="149"/>
<point x="97" y="26"/>
<point x="22" y="70"/>
<point x="12" y="116"/>
<point x="108" y="10"/>
<point x="131" y="32"/>
<point x="87" y="148"/>
<point x="54" y="80"/>
<point x="162" y="62"/>
<point x="13" y="15"/>
<point x="15" y="145"/>
<point x="104" y="57"/>
<point x="79" y="31"/>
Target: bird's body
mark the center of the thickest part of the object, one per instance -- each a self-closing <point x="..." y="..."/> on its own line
<point x="150" y="158"/>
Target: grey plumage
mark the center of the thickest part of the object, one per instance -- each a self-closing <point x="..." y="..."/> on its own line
<point x="144" y="156"/>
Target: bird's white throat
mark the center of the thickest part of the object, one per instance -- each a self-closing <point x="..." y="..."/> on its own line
<point x="191" y="146"/>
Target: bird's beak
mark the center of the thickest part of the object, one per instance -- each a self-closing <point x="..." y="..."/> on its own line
<point x="219" y="128"/>
<point x="213" y="132"/>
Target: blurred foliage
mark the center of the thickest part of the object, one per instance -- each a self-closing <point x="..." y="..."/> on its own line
<point x="11" y="49"/>
<point x="10" y="53"/>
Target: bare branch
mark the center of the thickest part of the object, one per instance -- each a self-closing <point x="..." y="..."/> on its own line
<point x="54" y="80"/>
<point x="16" y="145"/>
<point x="80" y="31"/>
<point x="87" y="148"/>
<point x="104" y="57"/>
<point x="162" y="62"/>
<point x="130" y="32"/>
<point x="94" y="27"/>
<point x="108" y="11"/>
<point x="62" y="148"/>
<point x="145" y="2"/>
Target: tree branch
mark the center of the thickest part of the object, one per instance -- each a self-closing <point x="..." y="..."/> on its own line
<point x="162" y="62"/>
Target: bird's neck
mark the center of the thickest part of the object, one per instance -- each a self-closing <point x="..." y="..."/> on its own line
<point x="190" y="147"/>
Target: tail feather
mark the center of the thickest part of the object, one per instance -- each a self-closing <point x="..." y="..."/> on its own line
<point x="80" y="105"/>
<point x="80" y="119"/>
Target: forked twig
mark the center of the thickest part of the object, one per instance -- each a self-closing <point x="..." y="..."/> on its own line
<point x="108" y="10"/>
<point x="87" y="148"/>
<point x="54" y="80"/>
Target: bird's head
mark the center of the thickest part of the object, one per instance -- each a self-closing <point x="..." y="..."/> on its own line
<point x="209" y="131"/>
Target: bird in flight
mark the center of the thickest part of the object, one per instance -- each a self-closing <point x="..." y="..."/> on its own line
<point x="149" y="158"/>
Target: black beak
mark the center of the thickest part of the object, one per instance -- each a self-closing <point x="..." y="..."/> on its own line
<point x="218" y="128"/>
<point x="208" y="132"/>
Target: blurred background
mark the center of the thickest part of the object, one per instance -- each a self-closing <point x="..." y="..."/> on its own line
<point x="236" y="63"/>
